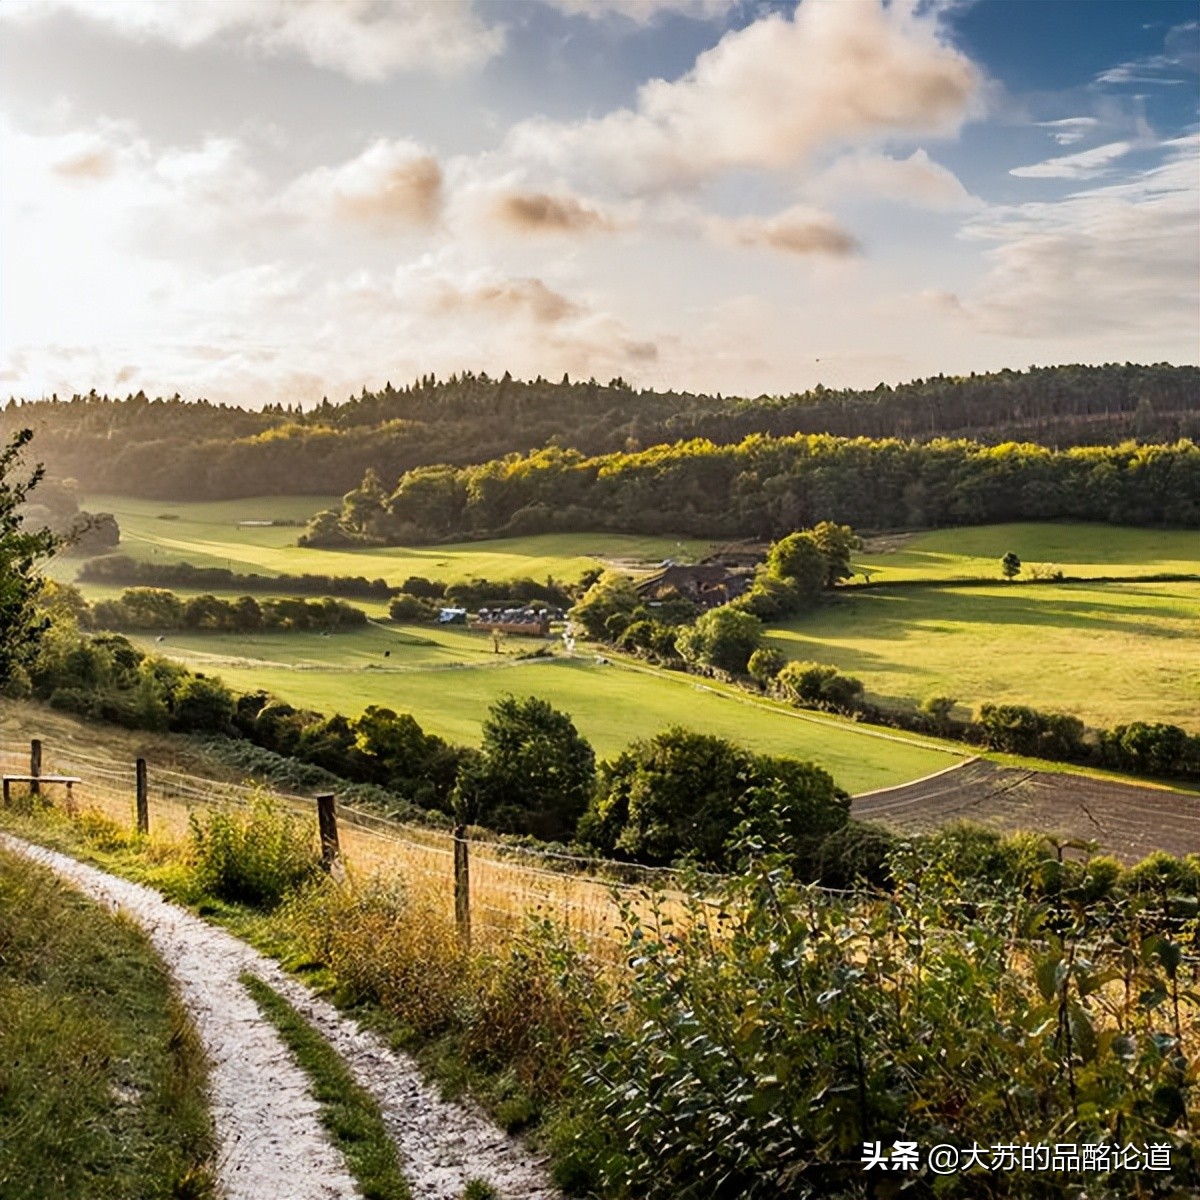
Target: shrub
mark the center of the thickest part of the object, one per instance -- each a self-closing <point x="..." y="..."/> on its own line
<point x="818" y="684"/>
<point x="765" y="664"/>
<point x="406" y="607"/>
<point x="856" y="853"/>
<point x="723" y="637"/>
<point x="203" y="705"/>
<point x="255" y="857"/>
<point x="683" y="793"/>
<point x="1018" y="729"/>
<point x="1149" y="748"/>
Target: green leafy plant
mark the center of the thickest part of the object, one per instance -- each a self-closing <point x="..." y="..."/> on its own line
<point x="254" y="856"/>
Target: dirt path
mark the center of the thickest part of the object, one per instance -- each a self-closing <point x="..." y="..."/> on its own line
<point x="270" y="1140"/>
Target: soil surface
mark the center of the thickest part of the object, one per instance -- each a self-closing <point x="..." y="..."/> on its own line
<point x="1127" y="820"/>
<point x="270" y="1139"/>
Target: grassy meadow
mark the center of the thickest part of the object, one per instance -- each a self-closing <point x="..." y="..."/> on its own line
<point x="447" y="679"/>
<point x="974" y="552"/>
<point x="1108" y="653"/>
<point x="209" y="535"/>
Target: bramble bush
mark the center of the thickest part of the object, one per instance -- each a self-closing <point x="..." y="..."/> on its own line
<point x="758" y="1046"/>
<point x="254" y="857"/>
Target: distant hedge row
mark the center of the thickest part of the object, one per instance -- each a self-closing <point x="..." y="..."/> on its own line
<point x="121" y="569"/>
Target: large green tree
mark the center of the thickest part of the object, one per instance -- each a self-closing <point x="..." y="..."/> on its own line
<point x="21" y="550"/>
<point x="534" y="774"/>
<point x="692" y="794"/>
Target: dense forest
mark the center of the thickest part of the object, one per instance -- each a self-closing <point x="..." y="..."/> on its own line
<point x="764" y="487"/>
<point x="177" y="449"/>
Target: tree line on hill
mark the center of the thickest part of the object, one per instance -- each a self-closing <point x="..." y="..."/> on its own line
<point x="192" y="450"/>
<point x="763" y="487"/>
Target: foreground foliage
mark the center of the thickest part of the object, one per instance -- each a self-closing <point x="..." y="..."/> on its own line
<point x="253" y="857"/>
<point x="991" y="991"/>
<point x="758" y="1051"/>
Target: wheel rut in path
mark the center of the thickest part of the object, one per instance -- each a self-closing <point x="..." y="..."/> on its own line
<point x="271" y="1144"/>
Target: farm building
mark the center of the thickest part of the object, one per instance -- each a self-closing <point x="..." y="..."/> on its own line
<point x="707" y="584"/>
<point x="526" y="622"/>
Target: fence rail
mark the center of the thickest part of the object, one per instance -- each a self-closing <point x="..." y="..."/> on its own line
<point x="487" y="888"/>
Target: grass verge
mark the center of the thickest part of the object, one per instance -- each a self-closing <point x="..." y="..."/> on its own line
<point x="103" y="1083"/>
<point x="347" y="1111"/>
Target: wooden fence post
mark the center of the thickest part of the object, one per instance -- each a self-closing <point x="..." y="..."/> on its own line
<point x="35" y="766"/>
<point x="327" y="821"/>
<point x="7" y="795"/>
<point x="462" y="885"/>
<point x="143" y="799"/>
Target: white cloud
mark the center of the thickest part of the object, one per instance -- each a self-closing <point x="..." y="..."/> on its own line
<point x="916" y="180"/>
<point x="1119" y="260"/>
<point x="1180" y="57"/>
<point x="1069" y="130"/>
<point x="644" y="11"/>
<point x="390" y="184"/>
<point x="365" y="39"/>
<point x="769" y="95"/>
<point x="1085" y="164"/>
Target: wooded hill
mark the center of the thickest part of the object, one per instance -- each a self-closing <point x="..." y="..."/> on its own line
<point x="177" y="449"/>
<point x="763" y="487"/>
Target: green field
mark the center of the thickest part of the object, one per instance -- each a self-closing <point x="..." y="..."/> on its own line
<point x="1108" y="653"/>
<point x="208" y="535"/>
<point x="447" y="680"/>
<point x="974" y="552"/>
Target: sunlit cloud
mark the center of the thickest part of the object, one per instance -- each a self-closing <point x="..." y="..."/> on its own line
<point x="548" y="212"/>
<point x="360" y="38"/>
<point x="768" y="96"/>
<point x="916" y="180"/>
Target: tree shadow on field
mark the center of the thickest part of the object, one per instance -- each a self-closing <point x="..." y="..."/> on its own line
<point x="898" y="615"/>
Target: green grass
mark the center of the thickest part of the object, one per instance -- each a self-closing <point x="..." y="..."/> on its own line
<point x="974" y="552"/>
<point x="612" y="705"/>
<point x="1109" y="653"/>
<point x="372" y="647"/>
<point x="347" y="1111"/>
<point x="102" y="1079"/>
<point x="208" y="534"/>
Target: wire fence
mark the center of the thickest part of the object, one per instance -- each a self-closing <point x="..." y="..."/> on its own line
<point x="508" y="885"/>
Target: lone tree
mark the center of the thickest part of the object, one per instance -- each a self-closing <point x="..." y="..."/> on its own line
<point x="534" y="775"/>
<point x="20" y="552"/>
<point x="1010" y="564"/>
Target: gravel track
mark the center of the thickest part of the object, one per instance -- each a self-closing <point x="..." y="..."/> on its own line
<point x="271" y="1143"/>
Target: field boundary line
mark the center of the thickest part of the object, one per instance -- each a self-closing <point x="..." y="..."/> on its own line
<point x="796" y="714"/>
<point x="899" y="787"/>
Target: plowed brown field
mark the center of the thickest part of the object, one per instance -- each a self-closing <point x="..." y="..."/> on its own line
<point x="1127" y="820"/>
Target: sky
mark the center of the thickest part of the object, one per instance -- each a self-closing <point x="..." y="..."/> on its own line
<point x="260" y="201"/>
